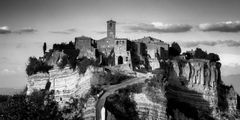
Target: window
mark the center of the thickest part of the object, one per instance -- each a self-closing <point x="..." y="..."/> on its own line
<point x="126" y="58"/>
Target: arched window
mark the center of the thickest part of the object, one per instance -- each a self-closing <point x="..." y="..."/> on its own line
<point x="120" y="60"/>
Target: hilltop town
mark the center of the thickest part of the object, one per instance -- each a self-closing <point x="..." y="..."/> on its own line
<point x="117" y="78"/>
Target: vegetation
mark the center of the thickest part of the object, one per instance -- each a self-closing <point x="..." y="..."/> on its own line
<point x="74" y="108"/>
<point x="83" y="63"/>
<point x="4" y="98"/>
<point x="95" y="89"/>
<point x="213" y="57"/>
<point x="35" y="65"/>
<point x="174" y="50"/>
<point x="44" y="47"/>
<point x="38" y="106"/>
<point x="115" y="78"/>
<point x="200" y="54"/>
<point x="122" y="106"/>
<point x="72" y="57"/>
<point x="63" y="46"/>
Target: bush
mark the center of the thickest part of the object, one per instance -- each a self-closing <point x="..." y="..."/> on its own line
<point x="36" y="65"/>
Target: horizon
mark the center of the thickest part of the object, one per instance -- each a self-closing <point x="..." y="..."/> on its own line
<point x="213" y="26"/>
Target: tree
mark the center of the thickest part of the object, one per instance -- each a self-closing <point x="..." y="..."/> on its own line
<point x="44" y="47"/>
<point x="188" y="55"/>
<point x="175" y="49"/>
<point x="38" y="106"/>
<point x="35" y="65"/>
<point x="199" y="53"/>
<point x="213" y="57"/>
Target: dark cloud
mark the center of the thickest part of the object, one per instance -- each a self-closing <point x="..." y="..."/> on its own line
<point x="229" y="43"/>
<point x="159" y="28"/>
<point x="5" y="30"/>
<point x="67" y="31"/>
<point x="229" y="26"/>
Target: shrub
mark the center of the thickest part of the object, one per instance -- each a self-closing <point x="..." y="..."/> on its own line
<point x="36" y="65"/>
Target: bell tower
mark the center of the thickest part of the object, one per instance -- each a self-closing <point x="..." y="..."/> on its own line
<point x="111" y="29"/>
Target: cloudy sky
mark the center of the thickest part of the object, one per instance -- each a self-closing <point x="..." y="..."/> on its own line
<point x="213" y="25"/>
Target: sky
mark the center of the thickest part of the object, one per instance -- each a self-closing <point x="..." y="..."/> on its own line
<point x="213" y="25"/>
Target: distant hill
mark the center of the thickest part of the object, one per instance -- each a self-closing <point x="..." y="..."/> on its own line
<point x="233" y="80"/>
<point x="9" y="91"/>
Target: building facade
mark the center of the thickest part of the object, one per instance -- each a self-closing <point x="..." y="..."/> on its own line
<point x="122" y="52"/>
<point x="86" y="46"/>
<point x="119" y="48"/>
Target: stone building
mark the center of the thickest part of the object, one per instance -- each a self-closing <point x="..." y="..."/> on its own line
<point x="120" y="48"/>
<point x="157" y="50"/>
<point x="106" y="45"/>
<point x="86" y="46"/>
<point x="122" y="52"/>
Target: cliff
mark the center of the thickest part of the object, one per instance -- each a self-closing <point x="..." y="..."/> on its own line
<point x="189" y="89"/>
<point x="197" y="84"/>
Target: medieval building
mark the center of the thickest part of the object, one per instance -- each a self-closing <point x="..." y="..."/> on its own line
<point x="122" y="49"/>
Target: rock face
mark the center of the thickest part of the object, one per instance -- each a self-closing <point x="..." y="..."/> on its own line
<point x="150" y="110"/>
<point x="198" y="83"/>
<point x="192" y="89"/>
<point x="37" y="81"/>
<point x="65" y="82"/>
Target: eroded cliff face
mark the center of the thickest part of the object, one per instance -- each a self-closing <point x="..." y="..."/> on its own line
<point x="66" y="82"/>
<point x="198" y="84"/>
<point x="187" y="90"/>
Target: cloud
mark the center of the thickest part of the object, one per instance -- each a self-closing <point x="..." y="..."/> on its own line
<point x="157" y="27"/>
<point x="228" y="26"/>
<point x="7" y="71"/>
<point x="25" y="30"/>
<point x="67" y="31"/>
<point x="7" y="30"/>
<point x="4" y="30"/>
<point x="229" y="43"/>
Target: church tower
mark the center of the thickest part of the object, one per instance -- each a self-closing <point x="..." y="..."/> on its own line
<point x="111" y="29"/>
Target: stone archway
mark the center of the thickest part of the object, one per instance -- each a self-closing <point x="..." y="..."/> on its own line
<point x="120" y="60"/>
